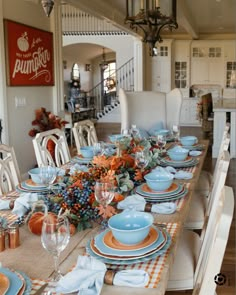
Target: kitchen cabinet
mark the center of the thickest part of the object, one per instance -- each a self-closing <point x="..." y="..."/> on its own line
<point x="181" y="63"/>
<point x="161" y="67"/>
<point x="188" y="115"/>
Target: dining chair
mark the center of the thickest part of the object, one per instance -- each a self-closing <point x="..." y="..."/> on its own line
<point x="9" y="170"/>
<point x="201" y="207"/>
<point x="147" y="108"/>
<point x="197" y="260"/>
<point x="84" y="134"/>
<point x="206" y="178"/>
<point x="207" y="113"/>
<point x="60" y="153"/>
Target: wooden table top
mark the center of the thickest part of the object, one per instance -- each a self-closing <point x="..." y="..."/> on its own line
<point x="32" y="259"/>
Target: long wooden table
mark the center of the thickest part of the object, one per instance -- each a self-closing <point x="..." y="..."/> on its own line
<point x="32" y="259"/>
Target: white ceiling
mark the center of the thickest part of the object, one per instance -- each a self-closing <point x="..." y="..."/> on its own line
<point x="196" y="19"/>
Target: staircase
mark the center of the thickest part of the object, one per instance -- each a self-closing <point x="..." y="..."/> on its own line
<point x="107" y="104"/>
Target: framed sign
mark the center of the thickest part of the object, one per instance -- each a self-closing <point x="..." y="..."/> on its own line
<point x="29" y="53"/>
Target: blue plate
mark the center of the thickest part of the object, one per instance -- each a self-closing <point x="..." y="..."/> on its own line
<point x="109" y="251"/>
<point x="137" y="260"/>
<point x="140" y="190"/>
<point x="28" y="283"/>
<point x="15" y="282"/>
<point x="167" y="199"/>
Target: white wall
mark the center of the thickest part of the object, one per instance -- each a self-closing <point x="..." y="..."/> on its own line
<point x="17" y="121"/>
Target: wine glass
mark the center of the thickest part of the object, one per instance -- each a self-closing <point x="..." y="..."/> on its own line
<point x="175" y="130"/>
<point x="48" y="175"/>
<point x="55" y="237"/>
<point x="99" y="148"/>
<point x="104" y="193"/>
<point x="141" y="159"/>
<point x="161" y="142"/>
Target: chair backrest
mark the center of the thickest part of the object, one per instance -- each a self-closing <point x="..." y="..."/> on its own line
<point x="146" y="108"/>
<point x="9" y="171"/>
<point x="224" y="146"/>
<point x="59" y="154"/>
<point x="214" y="244"/>
<point x="218" y="183"/>
<point x="84" y="134"/>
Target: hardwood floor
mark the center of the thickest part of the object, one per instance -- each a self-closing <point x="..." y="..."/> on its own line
<point x="229" y="263"/>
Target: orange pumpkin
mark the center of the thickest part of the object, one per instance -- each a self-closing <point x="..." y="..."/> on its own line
<point x="35" y="222"/>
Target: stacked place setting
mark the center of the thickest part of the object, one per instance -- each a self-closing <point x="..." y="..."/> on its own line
<point x="130" y="238"/>
<point x="178" y="157"/>
<point x="86" y="155"/>
<point x="191" y="143"/>
<point x="14" y="282"/>
<point x="159" y="187"/>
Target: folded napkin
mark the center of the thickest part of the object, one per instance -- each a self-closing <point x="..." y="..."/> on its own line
<point x="23" y="203"/>
<point x="195" y="153"/>
<point x="138" y="203"/>
<point x="88" y="276"/>
<point x="180" y="174"/>
<point x="78" y="168"/>
<point x="5" y="204"/>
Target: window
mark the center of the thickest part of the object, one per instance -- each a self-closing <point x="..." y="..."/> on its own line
<point x="109" y="78"/>
<point x="75" y="74"/>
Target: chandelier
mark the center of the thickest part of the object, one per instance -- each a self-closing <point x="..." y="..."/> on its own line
<point x="151" y="16"/>
<point x="47" y="6"/>
<point x="104" y="64"/>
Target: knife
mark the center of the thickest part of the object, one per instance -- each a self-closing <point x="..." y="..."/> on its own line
<point x="40" y="290"/>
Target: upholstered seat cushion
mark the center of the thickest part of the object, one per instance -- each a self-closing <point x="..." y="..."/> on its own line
<point x="182" y="271"/>
<point x="197" y="211"/>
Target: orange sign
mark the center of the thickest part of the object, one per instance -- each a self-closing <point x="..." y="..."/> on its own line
<point x="29" y="53"/>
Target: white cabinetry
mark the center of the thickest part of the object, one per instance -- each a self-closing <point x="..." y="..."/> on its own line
<point x="207" y="62"/>
<point x="181" y="65"/>
<point x="188" y="115"/>
<point x="161" y="68"/>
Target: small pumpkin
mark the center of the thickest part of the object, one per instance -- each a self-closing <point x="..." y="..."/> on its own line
<point x="35" y="222"/>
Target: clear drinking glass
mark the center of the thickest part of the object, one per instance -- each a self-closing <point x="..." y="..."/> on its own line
<point x="174" y="128"/>
<point x="55" y="237"/>
<point x="48" y="175"/>
<point x="161" y="141"/>
<point x="141" y="159"/>
<point x="104" y="192"/>
<point x="99" y="148"/>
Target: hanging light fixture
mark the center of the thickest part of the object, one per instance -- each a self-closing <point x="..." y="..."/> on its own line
<point x="104" y="64"/>
<point x="147" y="15"/>
<point x="47" y="6"/>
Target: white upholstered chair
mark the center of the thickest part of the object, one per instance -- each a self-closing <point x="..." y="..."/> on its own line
<point x="201" y="207"/>
<point x="61" y="149"/>
<point x="84" y="134"/>
<point x="145" y="108"/>
<point x="9" y="170"/>
<point x="198" y="261"/>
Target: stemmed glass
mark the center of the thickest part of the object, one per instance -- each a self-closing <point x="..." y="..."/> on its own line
<point x="104" y="193"/>
<point x="161" y="142"/>
<point x="55" y="237"/>
<point x="141" y="159"/>
<point x="99" y="148"/>
<point x="48" y="175"/>
<point x="175" y="130"/>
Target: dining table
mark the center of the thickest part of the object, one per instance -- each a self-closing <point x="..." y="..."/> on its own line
<point x="33" y="260"/>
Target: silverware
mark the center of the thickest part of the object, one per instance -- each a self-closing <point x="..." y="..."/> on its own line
<point x="40" y="290"/>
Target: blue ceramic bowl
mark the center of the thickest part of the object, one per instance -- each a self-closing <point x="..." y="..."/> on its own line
<point x="115" y="137"/>
<point x="162" y="132"/>
<point x="159" y="181"/>
<point x="188" y="140"/>
<point x="130" y="227"/>
<point x="35" y="174"/>
<point x="178" y="154"/>
<point x="87" y="151"/>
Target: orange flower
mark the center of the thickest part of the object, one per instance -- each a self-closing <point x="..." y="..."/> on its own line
<point x="102" y="161"/>
<point x="138" y="175"/>
<point x="118" y="197"/>
<point x="78" y="183"/>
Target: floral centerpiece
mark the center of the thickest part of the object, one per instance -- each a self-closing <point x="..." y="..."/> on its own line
<point x="76" y="199"/>
<point x="45" y="121"/>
